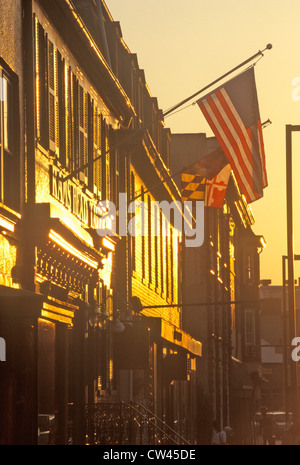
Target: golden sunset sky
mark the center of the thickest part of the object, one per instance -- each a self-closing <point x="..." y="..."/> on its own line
<point x="183" y="45"/>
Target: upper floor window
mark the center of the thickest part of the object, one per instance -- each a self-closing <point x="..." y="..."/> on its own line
<point x="9" y="136"/>
<point x="250" y="332"/>
<point x="249" y="268"/>
<point x="70" y="125"/>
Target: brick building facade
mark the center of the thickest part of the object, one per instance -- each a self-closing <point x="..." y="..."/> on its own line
<point x="76" y="90"/>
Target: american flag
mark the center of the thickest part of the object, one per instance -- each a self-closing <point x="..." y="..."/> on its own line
<point x="233" y="114"/>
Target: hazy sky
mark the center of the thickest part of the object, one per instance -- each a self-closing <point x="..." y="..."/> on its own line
<point x="183" y="45"/>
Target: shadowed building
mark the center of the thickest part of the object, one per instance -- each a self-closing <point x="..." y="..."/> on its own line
<point x="221" y="303"/>
<point x="276" y="348"/>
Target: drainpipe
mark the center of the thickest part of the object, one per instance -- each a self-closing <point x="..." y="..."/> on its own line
<point x="30" y="131"/>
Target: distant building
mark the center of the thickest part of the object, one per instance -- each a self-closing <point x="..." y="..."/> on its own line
<point x="221" y="303"/>
<point x="276" y="393"/>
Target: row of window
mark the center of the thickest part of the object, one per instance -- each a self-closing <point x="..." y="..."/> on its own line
<point x="154" y="246"/>
<point x="227" y="275"/>
<point x="70" y="125"/>
<point x="125" y="67"/>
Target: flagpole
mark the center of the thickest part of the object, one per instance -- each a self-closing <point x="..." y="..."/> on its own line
<point x="260" y="52"/>
<point x="166" y="113"/>
<point x="290" y="258"/>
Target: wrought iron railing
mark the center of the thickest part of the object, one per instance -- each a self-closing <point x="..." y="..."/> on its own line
<point x="127" y="424"/>
<point x="173" y="435"/>
<point x="107" y="423"/>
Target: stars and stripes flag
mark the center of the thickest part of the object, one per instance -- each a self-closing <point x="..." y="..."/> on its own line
<point x="233" y="114"/>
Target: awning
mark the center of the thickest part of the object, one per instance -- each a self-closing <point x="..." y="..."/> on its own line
<point x="18" y="303"/>
<point x="180" y="338"/>
<point x="174" y="335"/>
<point x="55" y="310"/>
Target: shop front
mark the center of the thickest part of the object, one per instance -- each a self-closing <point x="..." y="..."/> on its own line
<point x="57" y="340"/>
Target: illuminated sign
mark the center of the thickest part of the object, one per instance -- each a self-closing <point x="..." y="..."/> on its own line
<point x="73" y="198"/>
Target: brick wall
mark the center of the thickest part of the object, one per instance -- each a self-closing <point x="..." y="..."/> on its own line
<point x="155" y="263"/>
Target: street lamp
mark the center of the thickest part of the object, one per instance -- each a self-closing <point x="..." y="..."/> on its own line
<point x="97" y="315"/>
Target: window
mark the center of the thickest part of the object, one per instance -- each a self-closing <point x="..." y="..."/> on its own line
<point x="149" y="239"/>
<point x="143" y="219"/>
<point x="41" y="87"/>
<point x="97" y="141"/>
<point x="155" y="233"/>
<point x="53" y="99"/>
<point x="106" y="162"/>
<point x="172" y="262"/>
<point x="250" y="346"/>
<point x="161" y="252"/>
<point x="167" y="257"/>
<point x="9" y="138"/>
<point x="61" y="108"/>
<point x="51" y="96"/>
<point x="83" y="131"/>
<point x="132" y="236"/>
<point x="249" y="268"/>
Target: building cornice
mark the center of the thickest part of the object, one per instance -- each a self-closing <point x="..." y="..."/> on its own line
<point x="83" y="47"/>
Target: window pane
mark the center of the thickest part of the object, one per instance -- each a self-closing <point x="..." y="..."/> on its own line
<point x="9" y="141"/>
<point x="6" y="97"/>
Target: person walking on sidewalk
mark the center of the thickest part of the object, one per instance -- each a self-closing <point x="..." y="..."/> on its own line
<point x="266" y="428"/>
<point x="218" y="436"/>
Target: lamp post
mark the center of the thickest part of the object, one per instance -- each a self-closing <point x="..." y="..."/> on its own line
<point x="290" y="258"/>
<point x="284" y="330"/>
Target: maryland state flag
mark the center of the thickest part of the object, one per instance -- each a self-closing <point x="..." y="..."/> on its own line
<point x="215" y="189"/>
<point x="233" y="114"/>
<point x="206" y="179"/>
<point x="211" y="191"/>
<point x="192" y="187"/>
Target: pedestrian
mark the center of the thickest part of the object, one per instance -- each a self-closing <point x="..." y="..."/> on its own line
<point x="266" y="428"/>
<point x="229" y="435"/>
<point x="218" y="436"/>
